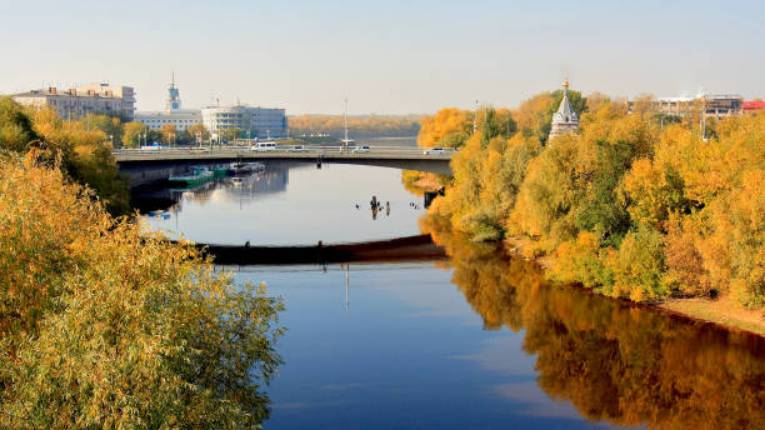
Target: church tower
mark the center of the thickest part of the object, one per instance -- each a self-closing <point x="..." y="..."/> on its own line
<point x="173" y="102"/>
<point x="564" y="120"/>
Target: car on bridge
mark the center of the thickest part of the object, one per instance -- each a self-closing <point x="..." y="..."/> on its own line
<point x="435" y="151"/>
<point x="298" y="148"/>
<point x="360" y="150"/>
<point x="263" y="147"/>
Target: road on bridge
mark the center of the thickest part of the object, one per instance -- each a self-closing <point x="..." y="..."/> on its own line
<point x="326" y="153"/>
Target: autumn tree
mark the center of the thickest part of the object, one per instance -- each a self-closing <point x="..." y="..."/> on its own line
<point x="104" y="326"/>
<point x="133" y="135"/>
<point x="169" y="134"/>
<point x="16" y="129"/>
<point x="198" y="133"/>
<point x="111" y="126"/>
<point x="449" y="127"/>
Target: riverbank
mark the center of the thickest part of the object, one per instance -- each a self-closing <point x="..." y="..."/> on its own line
<point x="725" y="310"/>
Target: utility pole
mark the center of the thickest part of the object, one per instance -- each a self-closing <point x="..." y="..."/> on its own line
<point x="704" y="118"/>
<point x="347" y="285"/>
<point x="475" y="118"/>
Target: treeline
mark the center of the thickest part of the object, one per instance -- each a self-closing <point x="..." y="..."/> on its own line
<point x="451" y="127"/>
<point x="135" y="134"/>
<point x="358" y="125"/>
<point x="613" y="363"/>
<point x="82" y="148"/>
<point x="101" y="324"/>
<point x="630" y="206"/>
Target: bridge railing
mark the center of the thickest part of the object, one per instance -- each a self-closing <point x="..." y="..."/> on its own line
<point x="231" y="149"/>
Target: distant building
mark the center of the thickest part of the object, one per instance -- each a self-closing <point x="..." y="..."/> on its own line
<point x="716" y="106"/>
<point x="723" y="105"/>
<point x="564" y="120"/>
<point x="73" y="103"/>
<point x="754" y="106"/>
<point x="173" y="113"/>
<point x="252" y="122"/>
<point x="181" y="119"/>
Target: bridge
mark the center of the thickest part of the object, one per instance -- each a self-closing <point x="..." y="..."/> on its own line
<point x="402" y="249"/>
<point x="143" y="165"/>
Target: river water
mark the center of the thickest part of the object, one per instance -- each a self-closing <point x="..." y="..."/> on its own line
<point x="477" y="341"/>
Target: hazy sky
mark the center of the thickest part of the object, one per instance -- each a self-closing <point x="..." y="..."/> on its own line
<point x="384" y="56"/>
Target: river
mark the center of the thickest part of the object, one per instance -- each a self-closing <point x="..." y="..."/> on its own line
<point x="476" y="341"/>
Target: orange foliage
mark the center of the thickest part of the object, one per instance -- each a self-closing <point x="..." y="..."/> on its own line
<point x="449" y="127"/>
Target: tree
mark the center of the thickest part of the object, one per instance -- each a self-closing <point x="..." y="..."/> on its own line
<point x="111" y="126"/>
<point x="104" y="326"/>
<point x="449" y="127"/>
<point x="169" y="134"/>
<point x="133" y="135"/>
<point x="198" y="133"/>
<point x="15" y="126"/>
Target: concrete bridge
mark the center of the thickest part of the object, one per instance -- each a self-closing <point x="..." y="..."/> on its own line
<point x="143" y="166"/>
<point x="410" y="248"/>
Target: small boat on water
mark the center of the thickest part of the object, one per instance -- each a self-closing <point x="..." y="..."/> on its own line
<point x="245" y="168"/>
<point x="198" y="176"/>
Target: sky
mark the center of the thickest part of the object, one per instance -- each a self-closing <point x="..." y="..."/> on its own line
<point x="385" y="57"/>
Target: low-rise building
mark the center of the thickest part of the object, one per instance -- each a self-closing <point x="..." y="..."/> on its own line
<point x="181" y="119"/>
<point x="73" y="103"/>
<point x="714" y="105"/>
<point x="754" y="106"/>
<point x="252" y="122"/>
<point x="174" y="114"/>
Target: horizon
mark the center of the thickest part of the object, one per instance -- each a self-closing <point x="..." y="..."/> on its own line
<point x="396" y="59"/>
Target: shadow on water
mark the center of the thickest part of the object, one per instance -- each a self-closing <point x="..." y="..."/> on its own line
<point x="403" y="249"/>
<point x="616" y="362"/>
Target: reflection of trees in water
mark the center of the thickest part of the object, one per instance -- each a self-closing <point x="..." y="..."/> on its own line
<point x="615" y="362"/>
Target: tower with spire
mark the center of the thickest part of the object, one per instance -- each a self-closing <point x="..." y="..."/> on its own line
<point x="564" y="120"/>
<point x="173" y="102"/>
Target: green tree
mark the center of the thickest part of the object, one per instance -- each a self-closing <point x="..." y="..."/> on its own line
<point x="15" y="126"/>
<point x="111" y="126"/>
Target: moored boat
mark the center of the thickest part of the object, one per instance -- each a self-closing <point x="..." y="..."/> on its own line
<point x="199" y="175"/>
<point x="245" y="168"/>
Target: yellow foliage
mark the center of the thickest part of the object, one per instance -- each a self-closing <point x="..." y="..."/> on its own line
<point x="616" y="364"/>
<point x="445" y="123"/>
<point x="103" y="327"/>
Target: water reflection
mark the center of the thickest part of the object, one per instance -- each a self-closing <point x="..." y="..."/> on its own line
<point x="615" y="362"/>
<point x="289" y="204"/>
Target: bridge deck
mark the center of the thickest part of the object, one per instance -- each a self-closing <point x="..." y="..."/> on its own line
<point x="411" y="248"/>
<point x="128" y="156"/>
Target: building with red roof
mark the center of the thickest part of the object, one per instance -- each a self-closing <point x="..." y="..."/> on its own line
<point x="754" y="105"/>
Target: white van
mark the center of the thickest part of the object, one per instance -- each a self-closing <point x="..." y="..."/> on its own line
<point x="264" y="146"/>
